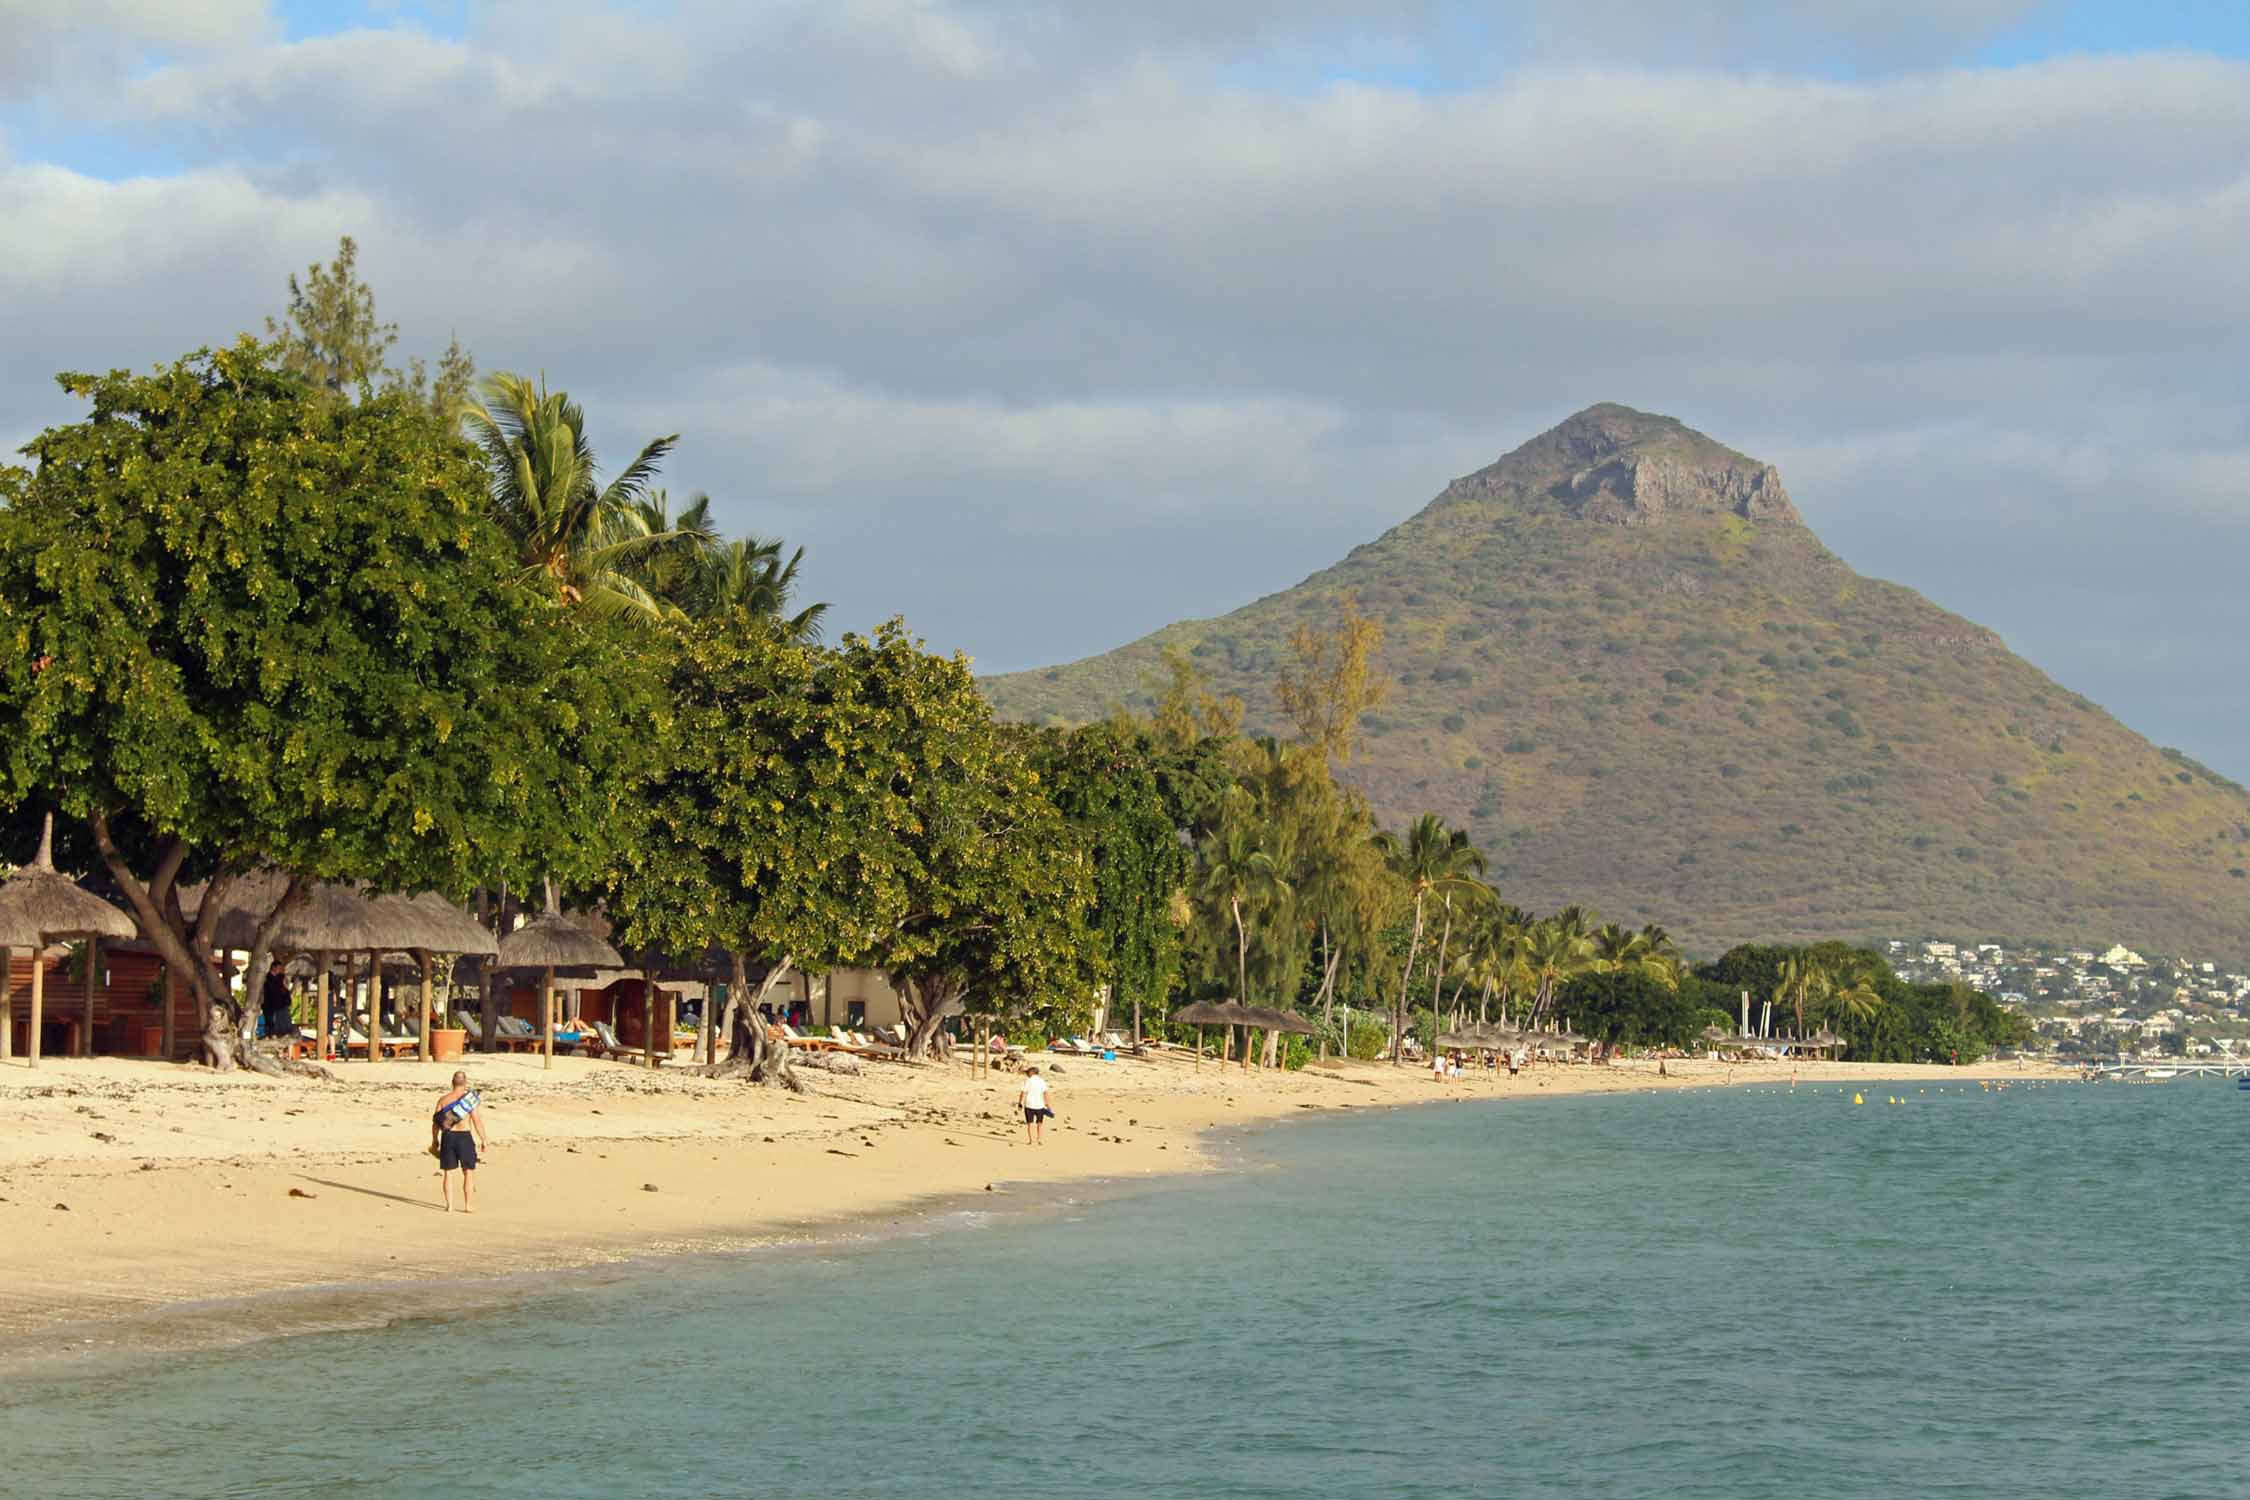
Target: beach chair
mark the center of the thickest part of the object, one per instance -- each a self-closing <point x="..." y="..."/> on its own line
<point x="515" y="1034"/>
<point x="796" y="1038"/>
<point x="355" y="1040"/>
<point x="606" y="1043"/>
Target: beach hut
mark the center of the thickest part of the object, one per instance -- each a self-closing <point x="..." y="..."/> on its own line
<point x="548" y="942"/>
<point x="37" y="905"/>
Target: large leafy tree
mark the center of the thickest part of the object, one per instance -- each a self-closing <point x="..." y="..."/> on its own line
<point x="767" y="827"/>
<point x="1102" y="778"/>
<point x="245" y="626"/>
<point x="858" y="806"/>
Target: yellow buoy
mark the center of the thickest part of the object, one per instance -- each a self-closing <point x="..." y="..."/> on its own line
<point x="1857" y="1100"/>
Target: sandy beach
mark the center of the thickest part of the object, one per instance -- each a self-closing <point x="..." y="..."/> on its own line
<point x="130" y="1189"/>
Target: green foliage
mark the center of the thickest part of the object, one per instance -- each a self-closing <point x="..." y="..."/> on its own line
<point x="278" y="630"/>
<point x="1104" y="780"/>
<point x="857" y="805"/>
<point x="1632" y="1008"/>
<point x="1368" y="1039"/>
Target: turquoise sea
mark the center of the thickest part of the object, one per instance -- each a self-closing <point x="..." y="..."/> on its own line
<point x="1738" y="1294"/>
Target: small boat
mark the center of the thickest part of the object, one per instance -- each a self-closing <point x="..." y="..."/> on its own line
<point x="2162" y="1073"/>
<point x="2243" y="1084"/>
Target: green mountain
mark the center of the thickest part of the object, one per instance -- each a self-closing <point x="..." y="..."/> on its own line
<point x="1632" y="671"/>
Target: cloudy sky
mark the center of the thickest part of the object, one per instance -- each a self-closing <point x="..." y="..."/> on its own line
<point x="1044" y="324"/>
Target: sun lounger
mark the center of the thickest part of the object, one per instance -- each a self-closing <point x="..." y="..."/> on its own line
<point x="606" y="1043"/>
<point x="796" y="1038"/>
<point x="355" y="1040"/>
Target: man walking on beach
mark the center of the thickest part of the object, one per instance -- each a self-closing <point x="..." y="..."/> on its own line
<point x="457" y="1130"/>
<point x="1036" y="1114"/>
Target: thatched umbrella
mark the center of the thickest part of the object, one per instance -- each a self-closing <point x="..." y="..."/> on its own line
<point x="434" y="925"/>
<point x="37" y="904"/>
<point x="547" y="942"/>
<point x="1211" y="1013"/>
<point x="329" y="919"/>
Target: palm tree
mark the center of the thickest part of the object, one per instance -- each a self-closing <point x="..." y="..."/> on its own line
<point x="748" y="573"/>
<point x="1238" y="872"/>
<point x="1799" y="980"/>
<point x="1648" y="953"/>
<point x="1858" y="1001"/>
<point x="585" y="535"/>
<point x="1557" y="951"/>
<point x="1473" y="892"/>
<point x="677" y="549"/>
<point x="1431" y="857"/>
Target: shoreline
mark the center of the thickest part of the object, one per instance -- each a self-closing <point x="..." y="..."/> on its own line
<point x="217" y="1206"/>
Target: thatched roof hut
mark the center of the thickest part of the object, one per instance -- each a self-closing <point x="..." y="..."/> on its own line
<point x="1213" y="1013"/>
<point x="437" y="924"/>
<point x="553" y="940"/>
<point x="548" y="942"/>
<point x="1266" y="1018"/>
<point x="38" y="902"/>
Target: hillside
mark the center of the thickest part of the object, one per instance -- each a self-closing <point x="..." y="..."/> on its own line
<point x="1642" y="682"/>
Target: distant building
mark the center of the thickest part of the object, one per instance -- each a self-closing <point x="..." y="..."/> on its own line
<point x="2121" y="957"/>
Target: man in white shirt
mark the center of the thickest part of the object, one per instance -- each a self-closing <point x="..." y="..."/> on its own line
<point x="1036" y="1114"/>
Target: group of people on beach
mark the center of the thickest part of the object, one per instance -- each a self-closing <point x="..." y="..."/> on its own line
<point x="1450" y="1065"/>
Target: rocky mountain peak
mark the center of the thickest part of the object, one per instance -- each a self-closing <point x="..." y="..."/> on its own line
<point x="1621" y="467"/>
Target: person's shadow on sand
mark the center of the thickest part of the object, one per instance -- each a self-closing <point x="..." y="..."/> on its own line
<point x="345" y="1187"/>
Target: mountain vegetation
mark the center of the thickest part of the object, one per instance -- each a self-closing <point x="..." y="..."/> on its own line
<point x="1621" y="662"/>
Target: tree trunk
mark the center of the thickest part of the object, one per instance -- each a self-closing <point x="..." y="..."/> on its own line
<point x="932" y="1001"/>
<point x="1241" y="975"/>
<point x="751" y="1053"/>
<point x="1437" y="970"/>
<point x="186" y="950"/>
<point x="1405" y="978"/>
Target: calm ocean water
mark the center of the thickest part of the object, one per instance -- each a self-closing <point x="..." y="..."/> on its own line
<point x="1711" y="1294"/>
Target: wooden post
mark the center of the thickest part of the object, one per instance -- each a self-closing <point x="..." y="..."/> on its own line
<point x="648" y="1019"/>
<point x="320" y="1006"/>
<point x="171" y="1005"/>
<point x="7" y="1004"/>
<point x="374" y="1006"/>
<point x="428" y="984"/>
<point x="38" y="1000"/>
<point x="351" y="1001"/>
<point x="93" y="955"/>
<point x="547" y="1017"/>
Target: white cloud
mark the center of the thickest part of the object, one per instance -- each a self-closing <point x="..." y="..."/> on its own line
<point x="74" y="43"/>
<point x="1046" y="327"/>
